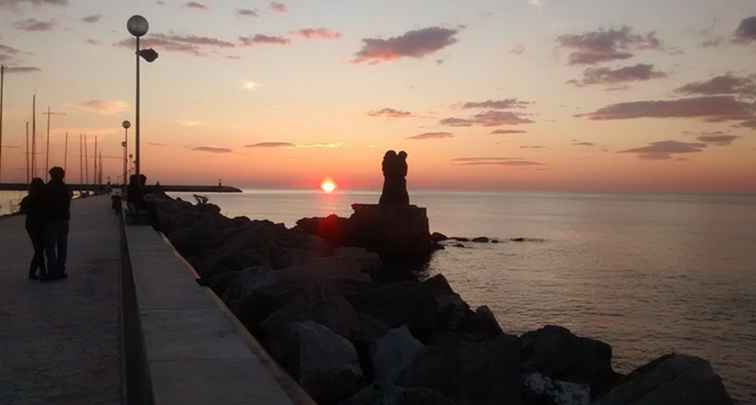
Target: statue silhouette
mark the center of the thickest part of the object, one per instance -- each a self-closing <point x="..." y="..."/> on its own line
<point x="394" y="179"/>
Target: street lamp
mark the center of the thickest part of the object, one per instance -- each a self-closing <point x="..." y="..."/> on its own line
<point x="138" y="26"/>
<point x="126" y="125"/>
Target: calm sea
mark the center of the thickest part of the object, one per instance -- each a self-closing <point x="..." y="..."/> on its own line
<point x="647" y="273"/>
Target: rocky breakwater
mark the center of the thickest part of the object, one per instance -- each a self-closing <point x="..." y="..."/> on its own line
<point x="391" y="230"/>
<point x="347" y="338"/>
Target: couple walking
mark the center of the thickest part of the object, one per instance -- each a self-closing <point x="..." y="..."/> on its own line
<point x="48" y="210"/>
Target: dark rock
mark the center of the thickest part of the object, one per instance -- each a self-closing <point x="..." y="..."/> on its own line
<point x="422" y="396"/>
<point x="459" y="245"/>
<point x="481" y="239"/>
<point x="367" y="330"/>
<point x="334" y="312"/>
<point x="392" y="353"/>
<point x="494" y="241"/>
<point x="469" y="373"/>
<point x="393" y="395"/>
<point x="331" y="228"/>
<point x="438" y="237"/>
<point x="219" y="244"/>
<point x="438" y="285"/>
<point x="673" y="379"/>
<point x="451" y="310"/>
<point x="558" y="354"/>
<point x="521" y="239"/>
<point x="370" y="262"/>
<point x="538" y="389"/>
<point x="324" y="363"/>
<point x="428" y="308"/>
<point x="396" y="304"/>
<point x="260" y="293"/>
<point x="481" y="325"/>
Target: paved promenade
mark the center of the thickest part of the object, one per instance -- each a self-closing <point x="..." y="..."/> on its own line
<point x="60" y="341"/>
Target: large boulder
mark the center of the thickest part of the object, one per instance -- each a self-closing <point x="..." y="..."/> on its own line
<point x="335" y="312"/>
<point x="322" y="362"/>
<point x="392" y="353"/>
<point x="396" y="304"/>
<point x="455" y="318"/>
<point x="392" y="395"/>
<point x="261" y="243"/>
<point x="558" y="354"/>
<point x="673" y="379"/>
<point x="369" y="261"/>
<point x="541" y="390"/>
<point x="332" y="228"/>
<point x="470" y="372"/>
<point x="262" y="293"/>
<point x="481" y="324"/>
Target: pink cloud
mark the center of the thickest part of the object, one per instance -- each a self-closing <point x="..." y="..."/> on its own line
<point x="318" y="33"/>
<point x="278" y="7"/>
<point x="712" y="108"/>
<point x="412" y="44"/>
<point x="594" y="47"/>
<point x="389" y="113"/>
<point x="264" y="39"/>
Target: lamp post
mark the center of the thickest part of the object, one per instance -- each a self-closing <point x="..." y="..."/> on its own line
<point x="138" y="26"/>
<point x="126" y="125"/>
<point x="2" y="89"/>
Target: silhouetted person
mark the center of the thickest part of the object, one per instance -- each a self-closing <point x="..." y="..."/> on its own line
<point x="58" y="206"/>
<point x="394" y="179"/>
<point x="33" y="206"/>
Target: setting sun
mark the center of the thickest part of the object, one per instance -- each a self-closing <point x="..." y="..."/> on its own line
<point x="328" y="185"/>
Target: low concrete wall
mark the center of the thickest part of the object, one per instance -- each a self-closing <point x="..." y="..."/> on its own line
<point x="194" y="350"/>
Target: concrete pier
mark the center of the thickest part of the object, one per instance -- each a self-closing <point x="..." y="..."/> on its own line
<point x="60" y="341"/>
<point x="128" y="326"/>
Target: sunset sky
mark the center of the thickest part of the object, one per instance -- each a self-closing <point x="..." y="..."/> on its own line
<point x="562" y="95"/>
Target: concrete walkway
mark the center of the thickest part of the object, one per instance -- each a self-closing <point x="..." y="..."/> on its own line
<point x="60" y="341"/>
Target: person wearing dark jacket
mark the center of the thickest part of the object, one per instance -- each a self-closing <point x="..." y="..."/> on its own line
<point x="58" y="201"/>
<point x="33" y="206"/>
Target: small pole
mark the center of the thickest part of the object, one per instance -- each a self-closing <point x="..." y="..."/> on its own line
<point x="86" y="161"/>
<point x="27" y="153"/>
<point x="125" y="156"/>
<point x="34" y="137"/>
<point x="47" y="148"/>
<point x="81" y="159"/>
<point x="94" y="163"/>
<point x="138" y="159"/>
<point x="2" y="90"/>
<point x="65" y="154"/>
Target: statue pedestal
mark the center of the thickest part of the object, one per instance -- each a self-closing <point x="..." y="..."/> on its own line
<point x="391" y="230"/>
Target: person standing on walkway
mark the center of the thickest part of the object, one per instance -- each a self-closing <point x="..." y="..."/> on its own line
<point x="58" y="204"/>
<point x="33" y="206"/>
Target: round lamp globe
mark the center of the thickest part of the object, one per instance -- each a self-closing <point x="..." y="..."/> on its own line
<point x="126" y="124"/>
<point x="137" y="25"/>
